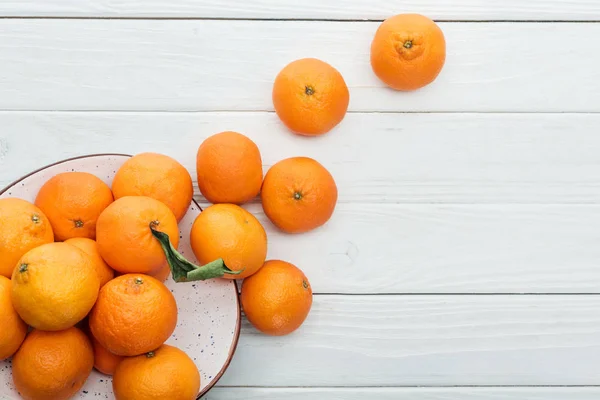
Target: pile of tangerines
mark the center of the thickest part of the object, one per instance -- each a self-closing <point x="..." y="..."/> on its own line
<point x="82" y="268"/>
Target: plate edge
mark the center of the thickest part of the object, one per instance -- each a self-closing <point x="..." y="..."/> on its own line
<point x="5" y="189"/>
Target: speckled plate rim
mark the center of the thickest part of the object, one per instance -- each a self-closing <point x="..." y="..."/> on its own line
<point x="238" y="325"/>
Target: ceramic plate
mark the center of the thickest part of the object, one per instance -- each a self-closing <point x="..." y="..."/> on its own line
<point x="208" y="325"/>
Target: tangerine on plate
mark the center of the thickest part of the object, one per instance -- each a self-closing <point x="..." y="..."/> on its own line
<point x="158" y="176"/>
<point x="298" y="194"/>
<point x="124" y="234"/>
<point x="52" y="365"/>
<point x="165" y="373"/>
<point x="72" y="201"/>
<point x="232" y="233"/>
<point x="89" y="247"/>
<point x="23" y="226"/>
<point x="134" y="314"/>
<point x="310" y="96"/>
<point x="13" y="329"/>
<point x="54" y="286"/>
<point x="162" y="273"/>
<point x="408" y="51"/>
<point x="229" y="168"/>
<point x="277" y="299"/>
<point x="104" y="361"/>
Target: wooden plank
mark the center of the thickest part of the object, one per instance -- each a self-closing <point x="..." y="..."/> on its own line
<point x="580" y="10"/>
<point x="414" y="248"/>
<point x="457" y="393"/>
<point x="230" y="65"/>
<point x="428" y="340"/>
<point x="447" y="249"/>
<point x="375" y="158"/>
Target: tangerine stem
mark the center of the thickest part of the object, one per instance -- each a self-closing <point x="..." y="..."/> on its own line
<point x="185" y="271"/>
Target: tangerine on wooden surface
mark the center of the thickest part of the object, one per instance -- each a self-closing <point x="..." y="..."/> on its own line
<point x="89" y="247"/>
<point x="23" y="226"/>
<point x="54" y="286"/>
<point x="408" y="51"/>
<point x="277" y="299"/>
<point x="104" y="361"/>
<point x="52" y="365"/>
<point x="232" y="233"/>
<point x="13" y="329"/>
<point x="134" y="314"/>
<point x="72" y="201"/>
<point x="158" y="176"/>
<point x="124" y="237"/>
<point x="165" y="373"/>
<point x="229" y="168"/>
<point x="310" y="96"/>
<point x="298" y="194"/>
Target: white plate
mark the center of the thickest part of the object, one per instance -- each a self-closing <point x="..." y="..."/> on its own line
<point x="208" y="325"/>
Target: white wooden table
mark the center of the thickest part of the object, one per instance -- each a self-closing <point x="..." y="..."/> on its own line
<point x="463" y="261"/>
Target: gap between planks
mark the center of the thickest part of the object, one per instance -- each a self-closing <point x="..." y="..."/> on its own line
<point x="342" y="20"/>
<point x="407" y="387"/>
<point x="356" y="112"/>
<point x="407" y="393"/>
<point x="406" y="294"/>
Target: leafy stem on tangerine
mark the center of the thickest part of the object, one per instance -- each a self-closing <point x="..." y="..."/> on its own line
<point x="182" y="269"/>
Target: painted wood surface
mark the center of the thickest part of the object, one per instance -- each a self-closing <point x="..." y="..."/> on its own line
<point x="58" y="64"/>
<point x="374" y="157"/>
<point x="430" y="341"/>
<point x="454" y="200"/>
<point x="448" y="249"/>
<point x="514" y="393"/>
<point x="416" y="244"/>
<point x="581" y="10"/>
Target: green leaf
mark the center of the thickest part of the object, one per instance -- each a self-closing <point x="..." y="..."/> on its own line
<point x="185" y="271"/>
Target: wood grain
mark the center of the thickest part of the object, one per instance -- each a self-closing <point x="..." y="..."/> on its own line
<point x="414" y="248"/>
<point x="375" y="158"/>
<point x="428" y="340"/>
<point x="581" y="10"/>
<point x="447" y="249"/>
<point x="230" y="65"/>
<point x="249" y="393"/>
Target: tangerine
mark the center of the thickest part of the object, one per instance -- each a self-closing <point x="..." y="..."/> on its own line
<point x="232" y="233"/>
<point x="165" y="373"/>
<point x="158" y="176"/>
<point x="298" y="194"/>
<point x="104" y="361"/>
<point x="163" y="273"/>
<point x="310" y="96"/>
<point x="13" y="329"/>
<point x="134" y="314"/>
<point x="54" y="286"/>
<point x="277" y="299"/>
<point x="229" y="168"/>
<point x="23" y="226"/>
<point x="89" y="247"/>
<point x="124" y="234"/>
<point x="408" y="51"/>
<point x="72" y="201"/>
<point x="52" y="365"/>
